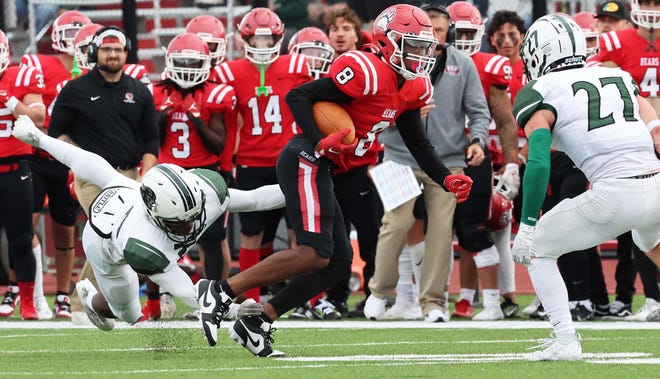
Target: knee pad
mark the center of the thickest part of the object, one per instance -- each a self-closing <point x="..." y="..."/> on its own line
<point x="487" y="257"/>
<point x="474" y="236"/>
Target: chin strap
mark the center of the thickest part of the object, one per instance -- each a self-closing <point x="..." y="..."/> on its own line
<point x="651" y="45"/>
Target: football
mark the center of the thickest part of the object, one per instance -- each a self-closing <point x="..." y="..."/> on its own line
<point x="331" y="117"/>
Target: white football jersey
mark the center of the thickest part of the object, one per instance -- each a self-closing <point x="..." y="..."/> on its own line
<point x="119" y="217"/>
<point x="597" y="120"/>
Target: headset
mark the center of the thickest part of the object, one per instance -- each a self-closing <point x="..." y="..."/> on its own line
<point x="93" y="48"/>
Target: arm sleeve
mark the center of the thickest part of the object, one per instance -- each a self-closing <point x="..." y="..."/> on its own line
<point x="413" y="135"/>
<point x="260" y="199"/>
<point x="301" y="99"/>
<point x="537" y="174"/>
<point x="149" y="125"/>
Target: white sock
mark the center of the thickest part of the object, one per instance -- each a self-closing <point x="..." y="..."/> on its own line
<point x="404" y="287"/>
<point x="491" y="298"/>
<point x="507" y="272"/>
<point x="39" y="275"/>
<point x="552" y="293"/>
<point x="467" y="294"/>
<point x="416" y="257"/>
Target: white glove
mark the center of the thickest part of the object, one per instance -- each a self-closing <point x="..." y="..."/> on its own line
<point x="522" y="245"/>
<point x="249" y="307"/>
<point x="511" y="180"/>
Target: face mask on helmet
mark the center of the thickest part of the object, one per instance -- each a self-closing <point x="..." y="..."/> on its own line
<point x="587" y="22"/>
<point x="188" y="61"/>
<point x="553" y="42"/>
<point x="647" y="18"/>
<point x="212" y="31"/>
<point x="175" y="202"/>
<point x="404" y="37"/>
<point x="468" y="26"/>
<point x="315" y="46"/>
<point x="5" y="54"/>
<point x="262" y="32"/>
<point x="501" y="212"/>
<point x="81" y="44"/>
<point x="64" y="30"/>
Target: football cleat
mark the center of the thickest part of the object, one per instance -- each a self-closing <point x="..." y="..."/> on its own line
<point x="650" y="311"/>
<point x="26" y="131"/>
<point x="10" y="302"/>
<point x="62" y="308"/>
<point x="510" y="309"/>
<point x="404" y="310"/>
<point x="618" y="311"/>
<point x="437" y="315"/>
<point x="463" y="309"/>
<point x="490" y="313"/>
<point x="213" y="306"/>
<point x="303" y="312"/>
<point x="554" y="349"/>
<point x="42" y="308"/>
<point x="254" y="333"/>
<point x="167" y="306"/>
<point x="325" y="310"/>
<point x="581" y="312"/>
<point x="85" y="289"/>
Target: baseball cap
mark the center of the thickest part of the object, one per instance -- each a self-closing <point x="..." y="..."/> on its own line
<point x="616" y="9"/>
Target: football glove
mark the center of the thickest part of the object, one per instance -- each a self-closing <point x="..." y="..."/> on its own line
<point x="511" y="179"/>
<point x="332" y="144"/>
<point x="460" y="185"/>
<point x="171" y="101"/>
<point x="8" y="100"/>
<point x="189" y="105"/>
<point x="522" y="245"/>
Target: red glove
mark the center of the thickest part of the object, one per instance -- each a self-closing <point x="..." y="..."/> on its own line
<point x="190" y="105"/>
<point x="460" y="185"/>
<point x="172" y="99"/>
<point x="332" y="144"/>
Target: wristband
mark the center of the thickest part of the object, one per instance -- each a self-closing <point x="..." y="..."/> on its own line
<point x="652" y="124"/>
<point x="12" y="103"/>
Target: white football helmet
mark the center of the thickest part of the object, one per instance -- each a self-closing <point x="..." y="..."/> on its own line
<point x="643" y="17"/>
<point x="5" y="53"/>
<point x="175" y="202"/>
<point x="553" y="42"/>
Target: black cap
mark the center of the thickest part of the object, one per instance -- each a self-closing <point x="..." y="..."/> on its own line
<point x="436" y="5"/>
<point x="616" y="9"/>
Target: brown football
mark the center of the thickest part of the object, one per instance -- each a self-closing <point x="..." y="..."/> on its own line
<point x="331" y="117"/>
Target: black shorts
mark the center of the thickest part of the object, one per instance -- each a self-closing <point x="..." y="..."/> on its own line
<point x="16" y="207"/>
<point x="311" y="205"/>
<point x="50" y="178"/>
<point x="253" y="223"/>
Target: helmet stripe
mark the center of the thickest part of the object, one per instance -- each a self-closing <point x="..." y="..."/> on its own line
<point x="181" y="186"/>
<point x="568" y="28"/>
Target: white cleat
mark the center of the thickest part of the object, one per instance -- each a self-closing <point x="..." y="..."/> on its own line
<point x="374" y="308"/>
<point x="552" y="349"/>
<point x="42" y="308"/>
<point x="650" y="311"/>
<point x="491" y="313"/>
<point x="437" y="315"/>
<point x="85" y="289"/>
<point x="404" y="310"/>
<point x="25" y="130"/>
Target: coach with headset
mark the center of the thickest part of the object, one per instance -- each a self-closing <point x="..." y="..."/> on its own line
<point x="108" y="112"/>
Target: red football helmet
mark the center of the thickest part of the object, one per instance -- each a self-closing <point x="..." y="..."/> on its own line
<point x="212" y="31"/>
<point x="468" y="26"/>
<point x="188" y="60"/>
<point x="65" y="28"/>
<point x="5" y="53"/>
<point x="403" y="33"/>
<point x="262" y="31"/>
<point x="501" y="211"/>
<point x="587" y="22"/>
<point x="315" y="46"/>
<point x="81" y="42"/>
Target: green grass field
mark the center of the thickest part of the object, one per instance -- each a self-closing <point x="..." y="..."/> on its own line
<point x="323" y="349"/>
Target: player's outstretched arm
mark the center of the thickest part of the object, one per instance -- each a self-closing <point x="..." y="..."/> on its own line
<point x="84" y="164"/>
<point x="260" y="199"/>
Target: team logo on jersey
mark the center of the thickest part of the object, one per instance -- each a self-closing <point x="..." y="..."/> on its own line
<point x="452" y="70"/>
<point x="385" y="20"/>
<point x="263" y="90"/>
<point x="128" y="98"/>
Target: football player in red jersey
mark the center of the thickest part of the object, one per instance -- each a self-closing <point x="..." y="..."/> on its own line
<point x="192" y="113"/>
<point x="587" y="22"/>
<point x="212" y="31"/>
<point x="20" y="94"/>
<point x="376" y="90"/>
<point x="261" y="81"/>
<point x="495" y="74"/>
<point x="50" y="177"/>
<point x="315" y="46"/>
<point x="637" y="51"/>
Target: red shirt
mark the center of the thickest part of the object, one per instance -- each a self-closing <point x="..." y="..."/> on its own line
<point x="54" y="73"/>
<point x="494" y="70"/>
<point x="267" y="121"/>
<point x="182" y="144"/>
<point x="378" y="101"/>
<point x="630" y="52"/>
<point x="17" y="81"/>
